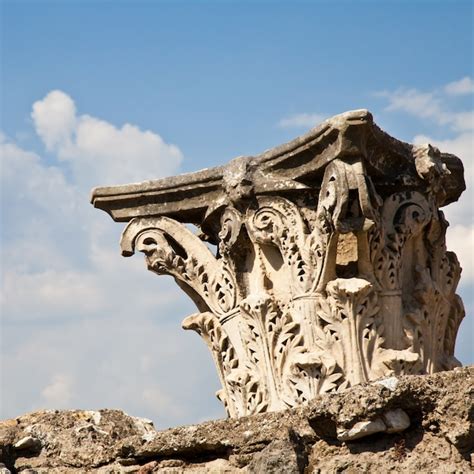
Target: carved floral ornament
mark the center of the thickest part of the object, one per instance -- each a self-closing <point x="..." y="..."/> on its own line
<point x="330" y="266"/>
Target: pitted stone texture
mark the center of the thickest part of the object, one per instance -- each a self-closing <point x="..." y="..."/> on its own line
<point x="440" y="437"/>
<point x="72" y="438"/>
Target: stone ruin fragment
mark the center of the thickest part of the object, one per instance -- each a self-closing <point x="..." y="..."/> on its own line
<point x="330" y="268"/>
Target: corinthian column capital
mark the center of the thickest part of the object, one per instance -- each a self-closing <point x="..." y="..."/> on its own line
<point x="317" y="265"/>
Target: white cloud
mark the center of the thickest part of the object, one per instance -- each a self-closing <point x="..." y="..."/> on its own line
<point x="60" y="267"/>
<point x="51" y="294"/>
<point x="433" y="105"/>
<point x="155" y="399"/>
<point x="460" y="239"/>
<point x="303" y="120"/>
<point x="461" y="87"/>
<point x="54" y="242"/>
<point x="58" y="392"/>
<point x="94" y="363"/>
<point x="38" y="207"/>
<point x="25" y="176"/>
<point x="462" y="121"/>
<point x="99" y="152"/>
<point x="419" y="104"/>
<point x="55" y="119"/>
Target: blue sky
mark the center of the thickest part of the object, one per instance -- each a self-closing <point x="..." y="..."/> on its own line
<point x="208" y="81"/>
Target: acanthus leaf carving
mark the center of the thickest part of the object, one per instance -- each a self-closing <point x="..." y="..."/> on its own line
<point x="258" y="314"/>
<point x="170" y="248"/>
<point x="225" y="359"/>
<point x="437" y="311"/>
<point x="348" y="319"/>
<point x="353" y="333"/>
<point x="313" y="373"/>
<point x="242" y="392"/>
<point x="277" y="222"/>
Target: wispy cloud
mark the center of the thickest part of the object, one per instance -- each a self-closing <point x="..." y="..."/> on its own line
<point x="434" y="105"/>
<point x="461" y="87"/>
<point x="59" y="391"/>
<point x="98" y="151"/>
<point x="415" y="102"/>
<point x="303" y="120"/>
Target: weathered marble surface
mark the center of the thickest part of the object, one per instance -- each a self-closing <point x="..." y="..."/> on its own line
<point x="330" y="267"/>
<point x="328" y="435"/>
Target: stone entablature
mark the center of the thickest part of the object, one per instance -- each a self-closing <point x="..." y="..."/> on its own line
<point x="330" y="267"/>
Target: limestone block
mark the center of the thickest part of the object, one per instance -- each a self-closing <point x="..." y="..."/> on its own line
<point x="362" y="429"/>
<point x="396" y="420"/>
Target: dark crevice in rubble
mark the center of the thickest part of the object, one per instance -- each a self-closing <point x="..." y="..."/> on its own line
<point x="195" y="456"/>
<point x="301" y="449"/>
<point x="380" y="443"/>
<point x="325" y="427"/>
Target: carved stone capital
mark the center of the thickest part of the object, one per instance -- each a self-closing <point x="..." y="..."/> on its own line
<point x="329" y="266"/>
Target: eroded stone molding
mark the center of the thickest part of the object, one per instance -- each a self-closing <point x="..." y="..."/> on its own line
<point x="330" y="267"/>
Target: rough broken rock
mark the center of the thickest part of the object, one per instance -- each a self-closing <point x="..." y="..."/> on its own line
<point x="330" y="265"/>
<point x="437" y="437"/>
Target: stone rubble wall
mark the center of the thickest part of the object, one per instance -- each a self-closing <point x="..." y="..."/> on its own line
<point x="406" y="424"/>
